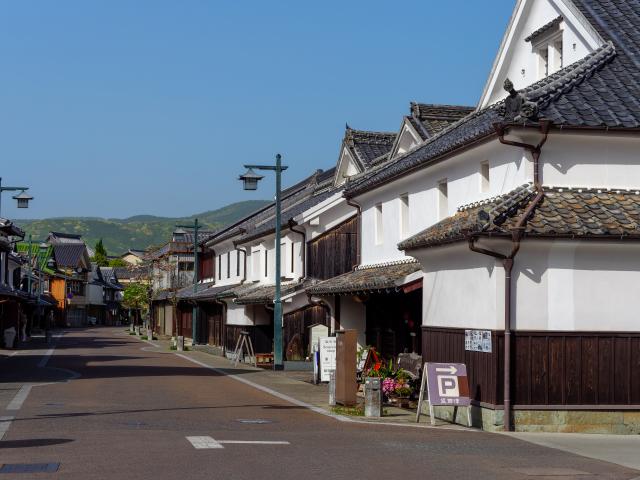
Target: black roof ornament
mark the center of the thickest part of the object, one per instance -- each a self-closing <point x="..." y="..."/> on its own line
<point x="516" y="107"/>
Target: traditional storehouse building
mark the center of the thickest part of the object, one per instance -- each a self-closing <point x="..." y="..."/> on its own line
<point x="11" y="299"/>
<point x="524" y="219"/>
<point x="382" y="298"/>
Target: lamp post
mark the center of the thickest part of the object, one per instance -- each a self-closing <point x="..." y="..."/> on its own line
<point x="194" y="313"/>
<point x="23" y="198"/>
<point x="250" y="182"/>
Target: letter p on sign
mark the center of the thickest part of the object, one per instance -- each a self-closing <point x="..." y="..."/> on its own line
<point x="448" y="386"/>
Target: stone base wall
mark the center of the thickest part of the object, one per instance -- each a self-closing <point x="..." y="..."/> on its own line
<point x="618" y="422"/>
<point x="578" y="421"/>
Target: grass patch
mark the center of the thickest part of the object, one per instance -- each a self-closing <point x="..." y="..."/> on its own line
<point x="173" y="347"/>
<point x="144" y="337"/>
<point x="132" y="333"/>
<point x="357" y="411"/>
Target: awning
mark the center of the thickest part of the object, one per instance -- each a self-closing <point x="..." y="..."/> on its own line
<point x="265" y="294"/>
<point x="381" y="277"/>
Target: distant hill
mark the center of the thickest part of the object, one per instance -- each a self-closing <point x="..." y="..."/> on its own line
<point x="140" y="231"/>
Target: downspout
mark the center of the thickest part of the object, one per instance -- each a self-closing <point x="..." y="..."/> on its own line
<point x="244" y="271"/>
<point x="507" y="260"/>
<point x="304" y="247"/>
<point x="358" y="208"/>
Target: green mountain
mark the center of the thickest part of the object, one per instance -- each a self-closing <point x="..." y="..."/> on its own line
<point x="140" y="231"/>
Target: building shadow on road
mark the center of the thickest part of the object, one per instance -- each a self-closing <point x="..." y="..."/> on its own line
<point x="34" y="442"/>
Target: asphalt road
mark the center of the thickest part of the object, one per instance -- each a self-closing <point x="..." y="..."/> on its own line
<point x="126" y="411"/>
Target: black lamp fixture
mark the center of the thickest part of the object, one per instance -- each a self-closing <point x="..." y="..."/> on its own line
<point x="250" y="179"/>
<point x="23" y="199"/>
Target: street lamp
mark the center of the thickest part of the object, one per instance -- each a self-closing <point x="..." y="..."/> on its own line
<point x="250" y="182"/>
<point x="194" y="312"/>
<point x="23" y="198"/>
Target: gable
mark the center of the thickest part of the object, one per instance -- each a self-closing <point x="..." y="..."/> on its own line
<point x="347" y="167"/>
<point x="407" y="139"/>
<point x="542" y="37"/>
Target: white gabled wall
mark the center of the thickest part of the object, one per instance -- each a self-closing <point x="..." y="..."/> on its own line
<point x="516" y="55"/>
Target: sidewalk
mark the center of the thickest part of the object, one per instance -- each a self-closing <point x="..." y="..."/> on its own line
<point x="298" y="386"/>
<point x="620" y="449"/>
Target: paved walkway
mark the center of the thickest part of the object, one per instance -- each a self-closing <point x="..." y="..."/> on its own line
<point x="299" y="386"/>
<point x="619" y="449"/>
<point x="622" y="450"/>
<point x="127" y="409"/>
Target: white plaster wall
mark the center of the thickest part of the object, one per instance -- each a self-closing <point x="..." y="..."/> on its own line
<point x="577" y="286"/>
<point x="519" y="55"/>
<point x="353" y="316"/>
<point x="267" y="243"/>
<point x="509" y="168"/>
<point x="591" y="160"/>
<point x="462" y="289"/>
<point x="237" y="315"/>
<point x="221" y="249"/>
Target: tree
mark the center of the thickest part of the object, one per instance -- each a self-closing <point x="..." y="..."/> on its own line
<point x="136" y="297"/>
<point x="118" y="262"/>
<point x="100" y="256"/>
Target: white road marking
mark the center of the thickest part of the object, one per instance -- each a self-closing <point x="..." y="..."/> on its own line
<point x="5" y="423"/>
<point x="20" y="397"/>
<point x="43" y="361"/>
<point x="204" y="442"/>
<point x="200" y="443"/>
<point x="254" y="442"/>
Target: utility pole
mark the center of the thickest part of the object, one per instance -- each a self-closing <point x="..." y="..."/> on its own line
<point x="194" y="313"/>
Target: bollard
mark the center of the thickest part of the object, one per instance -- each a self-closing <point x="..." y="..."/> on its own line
<point x="332" y="388"/>
<point x="372" y="397"/>
<point x="138" y="331"/>
<point x="180" y="343"/>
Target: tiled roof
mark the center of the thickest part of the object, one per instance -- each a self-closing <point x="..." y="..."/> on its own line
<point x="68" y="254"/>
<point x="264" y="294"/>
<point x="543" y="29"/>
<point x="367" y="278"/>
<point x="430" y="119"/>
<point x="110" y="277"/>
<point x="577" y="95"/>
<point x="368" y="146"/>
<point x="7" y="227"/>
<point x="204" y="291"/>
<point x="290" y="195"/>
<point x="573" y="213"/>
<point x="58" y="237"/>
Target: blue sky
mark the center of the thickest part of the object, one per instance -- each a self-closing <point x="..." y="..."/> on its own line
<point x="116" y="108"/>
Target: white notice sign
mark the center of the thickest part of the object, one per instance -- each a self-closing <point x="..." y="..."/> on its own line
<point x="477" y="340"/>
<point x="327" y="346"/>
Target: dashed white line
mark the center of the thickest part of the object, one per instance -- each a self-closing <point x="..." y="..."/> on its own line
<point x="45" y="359"/>
<point x="5" y="423"/>
<point x="20" y="397"/>
<point x="203" y="442"/>
<point x="254" y="442"/>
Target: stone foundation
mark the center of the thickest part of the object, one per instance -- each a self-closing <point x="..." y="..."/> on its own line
<point x="618" y="422"/>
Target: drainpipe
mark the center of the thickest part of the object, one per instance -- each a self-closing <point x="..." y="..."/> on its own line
<point x="304" y="247"/>
<point x="507" y="260"/>
<point x="244" y="256"/>
<point x="358" y="208"/>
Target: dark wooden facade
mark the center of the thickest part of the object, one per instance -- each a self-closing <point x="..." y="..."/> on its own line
<point x="210" y="324"/>
<point x="550" y="369"/>
<point x="299" y="321"/>
<point x="206" y="265"/>
<point x="334" y="252"/>
<point x="184" y="319"/>
<point x="261" y="337"/>
<point x="391" y="319"/>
